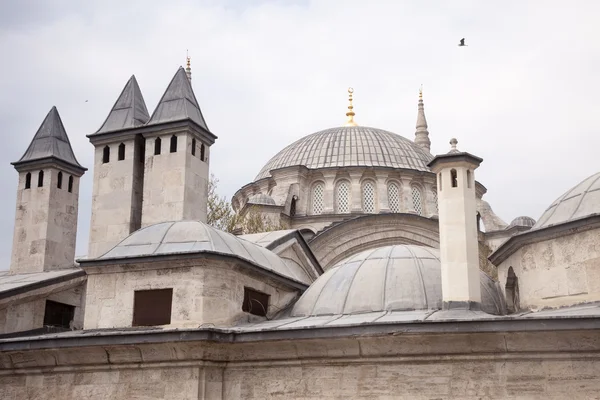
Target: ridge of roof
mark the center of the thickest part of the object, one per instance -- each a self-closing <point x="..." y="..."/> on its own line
<point x="50" y="141"/>
<point x="129" y="111"/>
<point x="178" y="103"/>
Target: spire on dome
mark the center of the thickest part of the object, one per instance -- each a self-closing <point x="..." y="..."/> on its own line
<point x="188" y="68"/>
<point x="50" y="143"/>
<point x="178" y="103"/>
<point x="129" y="110"/>
<point x="422" y="134"/>
<point x="350" y="114"/>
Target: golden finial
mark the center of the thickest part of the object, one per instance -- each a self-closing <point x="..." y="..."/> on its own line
<point x="421" y="92"/>
<point x="350" y="114"/>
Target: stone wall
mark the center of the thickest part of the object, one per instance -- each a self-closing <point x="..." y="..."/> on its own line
<point x="205" y="291"/>
<point x="556" y="272"/>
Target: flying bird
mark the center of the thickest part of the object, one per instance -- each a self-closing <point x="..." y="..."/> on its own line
<point x="462" y="42"/>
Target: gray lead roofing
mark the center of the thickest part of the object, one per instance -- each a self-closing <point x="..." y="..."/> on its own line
<point x="178" y="103"/>
<point x="350" y="146"/>
<point x="50" y="141"/>
<point x="129" y="110"/>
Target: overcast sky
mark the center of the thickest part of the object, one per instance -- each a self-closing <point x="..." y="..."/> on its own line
<point x="524" y="95"/>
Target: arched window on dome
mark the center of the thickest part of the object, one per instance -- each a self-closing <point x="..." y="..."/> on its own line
<point x="318" y="193"/>
<point x="343" y="197"/>
<point x="394" y="197"/>
<point x="416" y="200"/>
<point x="435" y="200"/>
<point x="368" y="197"/>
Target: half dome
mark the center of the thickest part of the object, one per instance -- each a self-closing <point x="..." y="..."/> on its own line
<point x="391" y="278"/>
<point x="581" y="201"/>
<point x="350" y="146"/>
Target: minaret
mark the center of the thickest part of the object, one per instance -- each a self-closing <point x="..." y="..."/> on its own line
<point x="177" y="157"/>
<point x="188" y="69"/>
<point x="118" y="171"/>
<point x="350" y="114"/>
<point x="47" y="201"/>
<point x="459" y="248"/>
<point x="422" y="134"/>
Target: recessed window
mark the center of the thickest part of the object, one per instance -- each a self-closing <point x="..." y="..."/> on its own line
<point x="469" y="178"/>
<point x="293" y="207"/>
<point x="255" y="302"/>
<point x="152" y="307"/>
<point x="28" y="181"/>
<point x="202" y="150"/>
<point x="58" y="314"/>
<point x="394" y="197"/>
<point x="193" y="147"/>
<point x="454" y="178"/>
<point x="41" y="179"/>
<point x="121" y="152"/>
<point x="416" y="200"/>
<point x="173" y="147"/>
<point x="105" y="154"/>
<point x="71" y="184"/>
<point x="157" y="145"/>
<point x="59" y="180"/>
<point x="317" y="198"/>
<point x="343" y="197"/>
<point x="368" y="192"/>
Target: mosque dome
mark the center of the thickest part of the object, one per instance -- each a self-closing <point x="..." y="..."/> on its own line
<point x="581" y="201"/>
<point x="522" y="221"/>
<point x="262" y="199"/>
<point x="188" y="237"/>
<point x="350" y="146"/>
<point x="391" y="278"/>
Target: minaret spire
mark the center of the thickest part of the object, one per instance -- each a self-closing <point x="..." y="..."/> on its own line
<point x="188" y="68"/>
<point x="350" y="114"/>
<point x="422" y="134"/>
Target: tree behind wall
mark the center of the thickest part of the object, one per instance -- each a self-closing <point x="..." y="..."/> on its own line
<point x="222" y="216"/>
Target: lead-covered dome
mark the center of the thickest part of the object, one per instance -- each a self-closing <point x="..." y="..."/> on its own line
<point x="391" y="278"/>
<point x="350" y="146"/>
<point x="581" y="201"/>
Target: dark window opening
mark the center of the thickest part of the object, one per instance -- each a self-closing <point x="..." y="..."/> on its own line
<point x="157" y="145"/>
<point x="152" y="307"/>
<point x="105" y="155"/>
<point x="255" y="302"/>
<point x="28" y="181"/>
<point x="512" y="291"/>
<point x="71" y="184"/>
<point x="121" y="155"/>
<point x="202" y="152"/>
<point x="193" y="147"/>
<point x="173" y="144"/>
<point x="478" y="222"/>
<point x="142" y="150"/>
<point x="41" y="179"/>
<point x="469" y="179"/>
<point x="454" y="178"/>
<point x="58" y="314"/>
<point x="59" y="180"/>
<point x="293" y="207"/>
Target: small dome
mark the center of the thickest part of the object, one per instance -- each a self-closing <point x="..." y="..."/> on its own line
<point x="581" y="201"/>
<point x="183" y="237"/>
<point x="522" y="221"/>
<point x="262" y="199"/>
<point x="391" y="278"/>
<point x="350" y="146"/>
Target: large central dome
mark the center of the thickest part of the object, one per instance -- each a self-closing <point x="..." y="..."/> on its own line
<point x="350" y="146"/>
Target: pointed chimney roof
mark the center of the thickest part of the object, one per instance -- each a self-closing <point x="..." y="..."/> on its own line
<point x="129" y="110"/>
<point x="50" y="143"/>
<point x="422" y="134"/>
<point x="178" y="103"/>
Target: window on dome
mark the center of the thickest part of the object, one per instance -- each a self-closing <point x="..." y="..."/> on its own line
<point x="435" y="200"/>
<point x="454" y="177"/>
<point x="317" y="198"/>
<point x="394" y="197"/>
<point x="368" y="197"/>
<point x="343" y="197"/>
<point x="416" y="199"/>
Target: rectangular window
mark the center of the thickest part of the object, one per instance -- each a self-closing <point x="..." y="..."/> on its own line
<point x="152" y="307"/>
<point x="58" y="314"/>
<point x="255" y="302"/>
